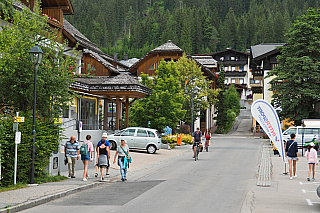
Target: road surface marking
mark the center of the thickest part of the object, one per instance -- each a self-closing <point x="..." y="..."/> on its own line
<point x="301" y="183"/>
<point x="309" y="202"/>
<point x="305" y="191"/>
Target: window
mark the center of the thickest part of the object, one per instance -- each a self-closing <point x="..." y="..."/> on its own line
<point x="151" y="134"/>
<point x="90" y="67"/>
<point x="222" y="59"/>
<point x="227" y="57"/>
<point x="241" y="68"/>
<point x="241" y="81"/>
<point x="252" y="81"/>
<point x="226" y="81"/>
<point x="290" y="131"/>
<point x="233" y="80"/>
<point x="88" y="114"/>
<point x="226" y="69"/>
<point x="310" y="131"/>
<point x="154" y="66"/>
<point x="66" y="113"/>
<point x="129" y="132"/>
<point x="142" y="133"/>
<point x="233" y="68"/>
<point x="233" y="58"/>
<point x="119" y="133"/>
<point x="111" y="107"/>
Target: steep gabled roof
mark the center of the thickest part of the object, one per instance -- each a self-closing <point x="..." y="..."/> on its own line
<point x="222" y="51"/>
<point x="261" y="50"/>
<point x="167" y="47"/>
<point x="104" y="62"/>
<point x="79" y="37"/>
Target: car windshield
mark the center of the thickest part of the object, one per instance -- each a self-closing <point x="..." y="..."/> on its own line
<point x="119" y="133"/>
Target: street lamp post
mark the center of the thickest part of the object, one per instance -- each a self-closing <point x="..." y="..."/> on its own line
<point x="35" y="57"/>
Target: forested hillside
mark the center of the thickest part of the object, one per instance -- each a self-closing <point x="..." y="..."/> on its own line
<point x="135" y="27"/>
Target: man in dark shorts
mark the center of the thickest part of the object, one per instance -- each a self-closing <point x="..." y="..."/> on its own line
<point x="197" y="137"/>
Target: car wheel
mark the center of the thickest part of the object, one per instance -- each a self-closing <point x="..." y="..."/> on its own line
<point x="112" y="145"/>
<point x="151" y="149"/>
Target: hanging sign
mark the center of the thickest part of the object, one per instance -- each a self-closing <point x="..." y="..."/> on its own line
<point x="267" y="117"/>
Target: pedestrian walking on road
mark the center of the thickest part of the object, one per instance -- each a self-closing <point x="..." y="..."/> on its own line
<point x="104" y="136"/>
<point x="103" y="155"/>
<point x="207" y="136"/>
<point x="312" y="157"/>
<point x="197" y="137"/>
<point x="292" y="155"/>
<point x="72" y="152"/>
<point x="86" y="151"/>
<point x="122" y="153"/>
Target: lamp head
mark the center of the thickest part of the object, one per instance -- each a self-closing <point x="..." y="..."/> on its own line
<point x="36" y="55"/>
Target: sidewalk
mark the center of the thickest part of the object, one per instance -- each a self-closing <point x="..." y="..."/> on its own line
<point x="285" y="195"/>
<point x="20" y="199"/>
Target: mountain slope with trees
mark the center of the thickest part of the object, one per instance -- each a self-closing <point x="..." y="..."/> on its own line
<point x="135" y="27"/>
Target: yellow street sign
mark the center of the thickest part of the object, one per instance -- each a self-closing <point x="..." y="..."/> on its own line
<point x="57" y="120"/>
<point x="19" y="119"/>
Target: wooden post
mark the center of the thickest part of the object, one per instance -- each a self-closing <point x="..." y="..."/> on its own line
<point x="118" y="113"/>
<point x="127" y="112"/>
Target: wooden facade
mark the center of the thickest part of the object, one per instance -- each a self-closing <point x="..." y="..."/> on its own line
<point x="89" y="63"/>
<point x="150" y="64"/>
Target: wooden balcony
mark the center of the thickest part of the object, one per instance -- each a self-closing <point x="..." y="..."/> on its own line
<point x="257" y="74"/>
<point x="257" y="90"/>
<point x="236" y="73"/>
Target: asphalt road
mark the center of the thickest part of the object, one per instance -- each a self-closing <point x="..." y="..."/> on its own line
<point x="218" y="182"/>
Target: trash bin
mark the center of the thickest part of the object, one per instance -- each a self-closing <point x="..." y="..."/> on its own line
<point x="179" y="140"/>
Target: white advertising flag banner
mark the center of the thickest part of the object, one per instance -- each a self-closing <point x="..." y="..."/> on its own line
<point x="267" y="117"/>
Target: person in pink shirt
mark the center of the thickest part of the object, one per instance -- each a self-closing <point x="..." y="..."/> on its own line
<point x="85" y="158"/>
<point x="312" y="157"/>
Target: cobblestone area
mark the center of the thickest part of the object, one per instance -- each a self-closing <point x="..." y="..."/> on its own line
<point x="265" y="168"/>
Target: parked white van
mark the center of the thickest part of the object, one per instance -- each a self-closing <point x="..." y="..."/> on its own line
<point x="309" y="134"/>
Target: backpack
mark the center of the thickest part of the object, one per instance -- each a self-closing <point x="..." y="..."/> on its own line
<point x="84" y="149"/>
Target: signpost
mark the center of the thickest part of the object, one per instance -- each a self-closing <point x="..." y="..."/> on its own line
<point x="17" y="140"/>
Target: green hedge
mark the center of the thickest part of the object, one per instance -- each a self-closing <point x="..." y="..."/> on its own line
<point x="47" y="140"/>
<point x="173" y="138"/>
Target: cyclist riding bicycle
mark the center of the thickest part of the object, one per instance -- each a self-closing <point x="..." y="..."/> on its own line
<point x="197" y="138"/>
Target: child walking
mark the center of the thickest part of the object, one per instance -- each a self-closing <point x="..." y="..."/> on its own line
<point x="312" y="157"/>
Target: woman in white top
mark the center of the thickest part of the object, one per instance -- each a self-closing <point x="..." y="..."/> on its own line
<point x="122" y="151"/>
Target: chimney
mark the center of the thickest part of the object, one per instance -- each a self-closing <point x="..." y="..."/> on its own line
<point x="126" y="57"/>
<point x="115" y="57"/>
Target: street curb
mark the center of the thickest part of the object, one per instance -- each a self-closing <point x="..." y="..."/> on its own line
<point x="46" y="199"/>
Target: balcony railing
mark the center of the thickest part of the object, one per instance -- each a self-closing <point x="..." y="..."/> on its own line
<point x="275" y="85"/>
<point x="256" y="90"/>
<point x="257" y="73"/>
<point x="236" y="73"/>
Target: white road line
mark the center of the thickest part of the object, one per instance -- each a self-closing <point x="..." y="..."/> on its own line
<point x="301" y="183"/>
<point x="305" y="191"/>
<point x="309" y="202"/>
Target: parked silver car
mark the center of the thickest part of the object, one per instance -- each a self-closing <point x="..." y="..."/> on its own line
<point x="137" y="138"/>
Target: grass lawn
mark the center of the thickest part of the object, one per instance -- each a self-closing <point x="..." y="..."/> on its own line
<point x="37" y="181"/>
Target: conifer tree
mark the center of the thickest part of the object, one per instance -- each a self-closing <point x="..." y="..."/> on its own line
<point x="297" y="77"/>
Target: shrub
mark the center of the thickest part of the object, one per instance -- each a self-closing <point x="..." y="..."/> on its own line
<point x="47" y="140"/>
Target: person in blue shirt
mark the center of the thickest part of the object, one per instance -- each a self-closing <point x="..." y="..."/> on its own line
<point x="104" y="136"/>
<point x="72" y="152"/>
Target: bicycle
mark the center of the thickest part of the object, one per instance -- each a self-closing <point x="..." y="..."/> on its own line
<point x="196" y="151"/>
<point x="206" y="147"/>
